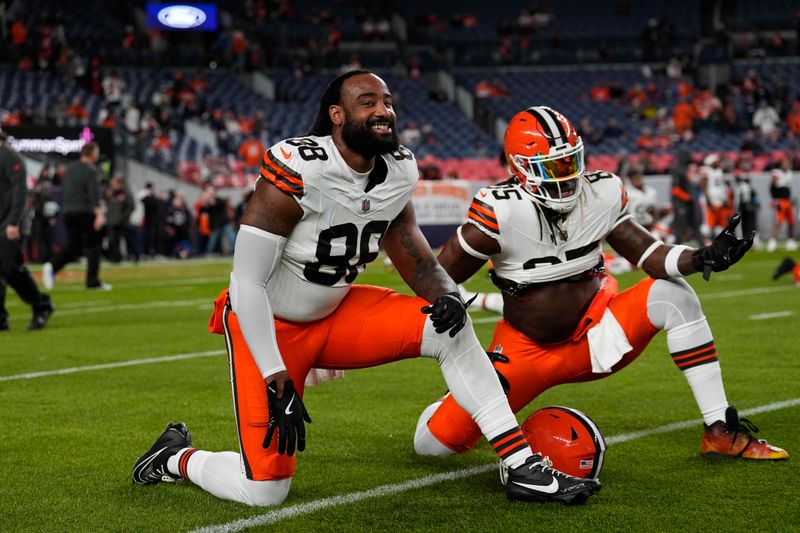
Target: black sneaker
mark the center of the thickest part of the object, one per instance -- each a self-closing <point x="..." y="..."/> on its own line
<point x="151" y="467"/>
<point x="41" y="317"/>
<point x="3" y="323"/>
<point x="538" y="481"/>
<point x="785" y="267"/>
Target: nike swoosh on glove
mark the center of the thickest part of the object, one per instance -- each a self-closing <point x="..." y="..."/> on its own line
<point x="448" y="312"/>
<point x="287" y="415"/>
<point x="724" y="251"/>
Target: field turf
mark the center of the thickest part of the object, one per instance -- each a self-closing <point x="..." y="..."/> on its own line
<point x="73" y="420"/>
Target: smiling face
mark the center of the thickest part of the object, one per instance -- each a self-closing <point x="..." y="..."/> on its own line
<point x="366" y="117"/>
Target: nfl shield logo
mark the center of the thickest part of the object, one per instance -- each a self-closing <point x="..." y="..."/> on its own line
<point x="365" y="205"/>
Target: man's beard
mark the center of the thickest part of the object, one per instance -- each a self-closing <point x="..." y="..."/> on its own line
<point x="363" y="141"/>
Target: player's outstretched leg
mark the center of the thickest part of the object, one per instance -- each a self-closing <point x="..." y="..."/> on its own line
<point x="734" y="438"/>
<point x="473" y="383"/>
<point x="536" y="480"/>
<point x="152" y="466"/>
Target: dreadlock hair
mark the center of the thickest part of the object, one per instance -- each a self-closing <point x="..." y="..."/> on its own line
<point x="332" y="96"/>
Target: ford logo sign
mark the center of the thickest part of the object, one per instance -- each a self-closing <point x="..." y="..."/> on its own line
<point x="181" y="17"/>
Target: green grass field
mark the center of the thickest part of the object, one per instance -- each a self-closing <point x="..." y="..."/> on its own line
<point x="68" y="440"/>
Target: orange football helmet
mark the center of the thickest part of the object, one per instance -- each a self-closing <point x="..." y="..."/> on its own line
<point x="569" y="437"/>
<point x="546" y="154"/>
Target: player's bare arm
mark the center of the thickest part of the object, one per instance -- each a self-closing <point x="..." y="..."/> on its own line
<point x="413" y="258"/>
<point x="632" y="241"/>
<point x="272" y="210"/>
<point x="658" y="260"/>
<point x="459" y="264"/>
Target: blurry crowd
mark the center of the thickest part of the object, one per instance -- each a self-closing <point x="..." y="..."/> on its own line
<point x="141" y="224"/>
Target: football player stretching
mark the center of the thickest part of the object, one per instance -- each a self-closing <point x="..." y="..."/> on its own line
<point x="324" y="204"/>
<point x="564" y="320"/>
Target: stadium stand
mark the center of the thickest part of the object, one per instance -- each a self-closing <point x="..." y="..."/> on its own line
<point x="642" y="80"/>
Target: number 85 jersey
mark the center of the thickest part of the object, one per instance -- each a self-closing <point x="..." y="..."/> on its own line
<point x="345" y="215"/>
<point x="537" y="248"/>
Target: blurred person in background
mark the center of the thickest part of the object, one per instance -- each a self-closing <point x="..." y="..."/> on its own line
<point x="718" y="194"/>
<point x="781" y="191"/>
<point x="178" y="220"/>
<point x="221" y="237"/>
<point x="119" y="205"/>
<point x="747" y="201"/>
<point x="84" y="218"/>
<point x="13" y="192"/>
<point x="685" y="224"/>
<point x="45" y="216"/>
<point x="151" y="218"/>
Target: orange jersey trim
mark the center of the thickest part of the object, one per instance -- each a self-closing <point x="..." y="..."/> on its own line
<point x="484" y="215"/>
<point x="282" y="176"/>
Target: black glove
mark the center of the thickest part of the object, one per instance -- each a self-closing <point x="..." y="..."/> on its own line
<point x="448" y="312"/>
<point x="497" y="357"/>
<point x="726" y="250"/>
<point x="287" y="414"/>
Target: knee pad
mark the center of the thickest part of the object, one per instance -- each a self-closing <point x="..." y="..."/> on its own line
<point x="262" y="493"/>
<point x="424" y="441"/>
<point x="672" y="303"/>
<point x="441" y="345"/>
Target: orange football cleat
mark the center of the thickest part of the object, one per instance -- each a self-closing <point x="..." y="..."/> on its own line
<point x="734" y="438"/>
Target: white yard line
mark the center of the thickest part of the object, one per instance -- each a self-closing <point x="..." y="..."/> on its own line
<point x="767" y="316"/>
<point x="132" y="307"/>
<point x="123" y="285"/>
<point x="133" y="362"/>
<point x="745" y="292"/>
<point x="294" y="511"/>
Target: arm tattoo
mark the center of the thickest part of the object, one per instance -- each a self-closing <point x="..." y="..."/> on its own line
<point x="428" y="278"/>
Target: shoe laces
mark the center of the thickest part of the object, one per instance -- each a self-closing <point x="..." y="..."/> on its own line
<point x="546" y="466"/>
<point x="745" y="427"/>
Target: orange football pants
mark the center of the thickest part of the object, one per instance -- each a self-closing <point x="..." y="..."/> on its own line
<point x="371" y="326"/>
<point x="534" y="368"/>
<point x="718" y="216"/>
<point x="784" y="212"/>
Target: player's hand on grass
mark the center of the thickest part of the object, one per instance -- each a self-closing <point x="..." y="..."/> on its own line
<point x="287" y="415"/>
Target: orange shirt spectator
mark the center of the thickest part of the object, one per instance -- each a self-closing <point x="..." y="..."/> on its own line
<point x="77" y="111"/>
<point x="162" y="142"/>
<point x="600" y="93"/>
<point x="793" y="119"/>
<point x="19" y="33"/>
<point x="706" y="104"/>
<point x="238" y="42"/>
<point x="251" y="151"/>
<point x="683" y="117"/>
<point x="245" y="124"/>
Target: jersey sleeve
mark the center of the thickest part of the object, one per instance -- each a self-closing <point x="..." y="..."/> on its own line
<point x="482" y="214"/>
<point x="623" y="210"/>
<point x="282" y="167"/>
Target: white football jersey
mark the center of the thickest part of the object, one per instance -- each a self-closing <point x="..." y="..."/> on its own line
<point x="716" y="186"/>
<point x="782" y="178"/>
<point x="345" y="215"/>
<point x="534" y="250"/>
<point x="642" y="204"/>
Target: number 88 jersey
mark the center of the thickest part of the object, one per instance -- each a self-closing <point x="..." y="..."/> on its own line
<point x="345" y="215"/>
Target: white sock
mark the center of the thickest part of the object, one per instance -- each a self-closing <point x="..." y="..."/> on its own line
<point x="694" y="352"/>
<point x="220" y="474"/>
<point x="474" y="385"/>
<point x="673" y="306"/>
